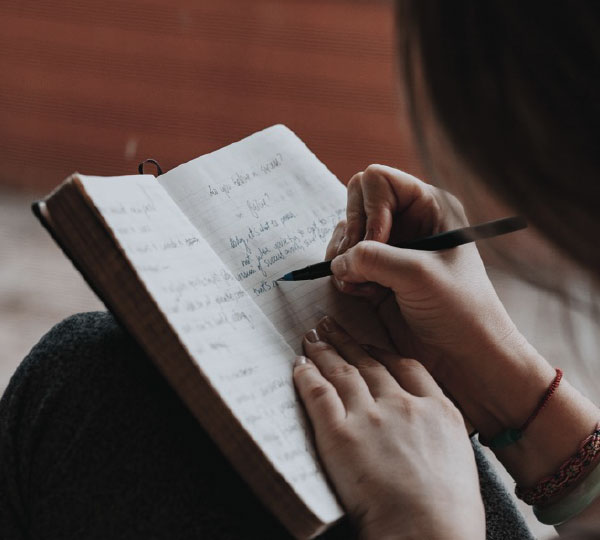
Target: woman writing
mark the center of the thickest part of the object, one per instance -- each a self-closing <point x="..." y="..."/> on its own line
<point x="501" y="93"/>
<point x="503" y="97"/>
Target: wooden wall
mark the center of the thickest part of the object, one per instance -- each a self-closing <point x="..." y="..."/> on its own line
<point x="97" y="86"/>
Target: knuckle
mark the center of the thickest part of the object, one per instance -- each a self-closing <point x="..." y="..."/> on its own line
<point x="354" y="225"/>
<point x="374" y="169"/>
<point x="344" y="436"/>
<point x="317" y="391"/>
<point x="341" y="225"/>
<point x="375" y="224"/>
<point x="447" y="198"/>
<point x="407" y="407"/>
<point x="444" y="203"/>
<point x="353" y="216"/>
<point x="434" y="195"/>
<point x="433" y="192"/>
<point x="366" y="364"/>
<point x="354" y="182"/>
<point x="375" y="418"/>
<point x="410" y="364"/>
<point x="366" y="254"/>
<point x="341" y="371"/>
<point x="449" y="410"/>
<point x="455" y="204"/>
<point x="321" y="347"/>
<point x="302" y="370"/>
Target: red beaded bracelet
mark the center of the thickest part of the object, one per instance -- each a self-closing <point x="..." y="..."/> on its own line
<point x="512" y="435"/>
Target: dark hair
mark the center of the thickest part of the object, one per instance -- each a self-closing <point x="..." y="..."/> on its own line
<point x="515" y="85"/>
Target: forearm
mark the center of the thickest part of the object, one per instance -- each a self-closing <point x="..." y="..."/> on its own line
<point x="499" y="390"/>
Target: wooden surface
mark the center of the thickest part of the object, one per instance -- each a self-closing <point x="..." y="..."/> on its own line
<point x="101" y="85"/>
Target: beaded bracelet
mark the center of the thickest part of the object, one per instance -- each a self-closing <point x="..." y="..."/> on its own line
<point x="574" y="503"/>
<point x="568" y="473"/>
<point x="512" y="435"/>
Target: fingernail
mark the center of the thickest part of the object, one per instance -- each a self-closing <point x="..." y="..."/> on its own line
<point x="328" y="324"/>
<point x="300" y="360"/>
<point x="343" y="244"/>
<point x="339" y="265"/>
<point x="339" y="283"/>
<point x="312" y="336"/>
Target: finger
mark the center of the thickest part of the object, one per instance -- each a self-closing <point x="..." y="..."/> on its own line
<point x="336" y="238"/>
<point x="402" y="206"/>
<point x="321" y="401"/>
<point x="379" y="202"/>
<point x="378" y="378"/>
<point x="333" y="248"/>
<point x="389" y="266"/>
<point x="409" y="373"/>
<point x="345" y="378"/>
<point x="404" y="188"/>
<point x="355" y="214"/>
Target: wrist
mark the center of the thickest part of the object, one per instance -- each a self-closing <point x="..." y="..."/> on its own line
<point x="501" y="388"/>
<point x="498" y="384"/>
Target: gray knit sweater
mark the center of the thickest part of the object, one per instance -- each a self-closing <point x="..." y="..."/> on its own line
<point x="95" y="444"/>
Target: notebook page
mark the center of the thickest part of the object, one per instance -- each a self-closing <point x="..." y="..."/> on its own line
<point x="225" y="333"/>
<point x="267" y="206"/>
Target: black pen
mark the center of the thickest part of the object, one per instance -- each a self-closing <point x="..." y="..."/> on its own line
<point x="436" y="242"/>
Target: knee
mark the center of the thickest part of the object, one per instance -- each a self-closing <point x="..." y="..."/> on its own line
<point x="84" y="349"/>
<point x="80" y="341"/>
<point x="83" y="361"/>
<point x="78" y="334"/>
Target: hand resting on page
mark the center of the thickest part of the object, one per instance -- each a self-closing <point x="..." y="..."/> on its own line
<point x="394" y="446"/>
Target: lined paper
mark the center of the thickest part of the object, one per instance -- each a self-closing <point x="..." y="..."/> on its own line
<point x="267" y="206"/>
<point x="220" y="324"/>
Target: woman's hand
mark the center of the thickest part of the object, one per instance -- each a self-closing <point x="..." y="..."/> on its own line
<point x="395" y="448"/>
<point x="439" y="307"/>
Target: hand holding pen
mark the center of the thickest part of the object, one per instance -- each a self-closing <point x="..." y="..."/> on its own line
<point x="434" y="304"/>
<point x="435" y="242"/>
<point x="441" y="311"/>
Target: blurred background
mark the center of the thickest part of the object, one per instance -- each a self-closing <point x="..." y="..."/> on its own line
<point x="99" y="86"/>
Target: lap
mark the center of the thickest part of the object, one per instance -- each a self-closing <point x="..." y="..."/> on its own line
<point x="95" y="444"/>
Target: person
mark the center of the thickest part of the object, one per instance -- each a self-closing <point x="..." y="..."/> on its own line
<point x="500" y="92"/>
<point x="499" y="95"/>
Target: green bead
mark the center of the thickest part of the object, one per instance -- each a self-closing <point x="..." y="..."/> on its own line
<point x="506" y="438"/>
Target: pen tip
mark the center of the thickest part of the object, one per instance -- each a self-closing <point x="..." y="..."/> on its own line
<point x="287" y="277"/>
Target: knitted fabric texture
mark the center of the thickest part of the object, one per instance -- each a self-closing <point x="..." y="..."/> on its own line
<point x="95" y="444"/>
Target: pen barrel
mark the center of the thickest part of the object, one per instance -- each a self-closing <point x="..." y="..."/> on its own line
<point x="314" y="271"/>
<point x="458" y="237"/>
<point x="445" y="240"/>
<point x="438" y="242"/>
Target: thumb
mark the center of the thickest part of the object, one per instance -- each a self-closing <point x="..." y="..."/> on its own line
<point x="381" y="263"/>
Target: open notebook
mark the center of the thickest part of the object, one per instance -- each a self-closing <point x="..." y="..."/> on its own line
<point x="188" y="262"/>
